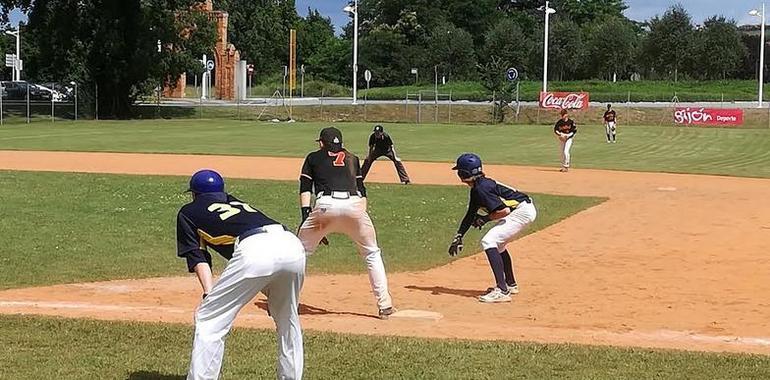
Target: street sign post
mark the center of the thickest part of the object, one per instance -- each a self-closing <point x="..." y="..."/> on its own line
<point x="10" y="59"/>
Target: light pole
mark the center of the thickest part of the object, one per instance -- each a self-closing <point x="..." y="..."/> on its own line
<point x="548" y="12"/>
<point x="761" y="14"/>
<point x="354" y="11"/>
<point x="16" y="63"/>
<point x="76" y="99"/>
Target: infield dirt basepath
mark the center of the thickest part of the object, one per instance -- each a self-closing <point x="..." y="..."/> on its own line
<point x="669" y="261"/>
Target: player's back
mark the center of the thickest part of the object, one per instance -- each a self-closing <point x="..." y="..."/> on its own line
<point x="219" y="218"/>
<point x="509" y="195"/>
<point x="332" y="171"/>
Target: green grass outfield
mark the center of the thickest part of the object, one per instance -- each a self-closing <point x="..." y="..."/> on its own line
<point x="738" y="152"/>
<point x="64" y="349"/>
<point x="63" y="228"/>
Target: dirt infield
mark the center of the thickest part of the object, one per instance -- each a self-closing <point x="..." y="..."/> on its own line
<point x="670" y="261"/>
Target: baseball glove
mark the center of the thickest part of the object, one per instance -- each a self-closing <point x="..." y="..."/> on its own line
<point x="457" y="245"/>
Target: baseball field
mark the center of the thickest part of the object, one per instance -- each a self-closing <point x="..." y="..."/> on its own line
<point x="648" y="260"/>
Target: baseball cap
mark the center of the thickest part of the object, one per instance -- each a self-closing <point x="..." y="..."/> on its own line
<point x="330" y="136"/>
<point x="378" y="128"/>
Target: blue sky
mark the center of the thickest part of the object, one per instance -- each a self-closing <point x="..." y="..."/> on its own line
<point x="638" y="9"/>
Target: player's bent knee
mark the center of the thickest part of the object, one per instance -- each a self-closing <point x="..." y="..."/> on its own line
<point x="488" y="242"/>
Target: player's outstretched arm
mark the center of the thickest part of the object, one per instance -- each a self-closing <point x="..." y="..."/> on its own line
<point x="203" y="271"/>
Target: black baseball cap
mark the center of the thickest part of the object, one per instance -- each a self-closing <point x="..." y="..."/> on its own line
<point x="378" y="128"/>
<point x="330" y="136"/>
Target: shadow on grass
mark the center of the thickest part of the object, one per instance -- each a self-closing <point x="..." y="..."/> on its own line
<point x="305" y="309"/>
<point x="147" y="375"/>
<point x="439" y="290"/>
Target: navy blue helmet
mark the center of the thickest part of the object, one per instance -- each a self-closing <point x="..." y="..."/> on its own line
<point x="207" y="181"/>
<point x="468" y="166"/>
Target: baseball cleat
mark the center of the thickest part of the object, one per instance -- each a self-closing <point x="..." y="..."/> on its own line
<point x="386" y="313"/>
<point x="564" y="170"/>
<point x="513" y="289"/>
<point x="496" y="296"/>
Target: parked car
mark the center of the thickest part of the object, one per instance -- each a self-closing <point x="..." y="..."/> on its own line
<point x="17" y="90"/>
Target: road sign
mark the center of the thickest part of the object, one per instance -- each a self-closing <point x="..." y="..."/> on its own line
<point x="368" y="75"/>
<point x="9" y="60"/>
<point x="209" y="65"/>
<point x="414" y="71"/>
<point x="250" y="68"/>
<point x="302" y="68"/>
<point x="512" y="74"/>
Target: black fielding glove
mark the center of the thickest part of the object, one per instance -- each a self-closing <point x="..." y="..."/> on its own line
<point x="457" y="245"/>
<point x="304" y="215"/>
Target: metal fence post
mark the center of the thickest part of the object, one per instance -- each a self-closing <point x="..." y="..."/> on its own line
<point x="28" y="102"/>
<point x="450" y="106"/>
<point x="419" y="107"/>
<point x="2" y="92"/>
<point x="52" y="104"/>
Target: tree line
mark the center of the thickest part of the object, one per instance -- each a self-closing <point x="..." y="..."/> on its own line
<point x="126" y="48"/>
<point x="460" y="39"/>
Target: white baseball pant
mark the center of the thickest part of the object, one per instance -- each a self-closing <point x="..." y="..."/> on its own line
<point x="565" y="147"/>
<point x="273" y="261"/>
<point x="347" y="215"/>
<point x="507" y="228"/>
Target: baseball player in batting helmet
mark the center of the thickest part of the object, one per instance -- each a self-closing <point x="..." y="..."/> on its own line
<point x="510" y="209"/>
<point x="262" y="255"/>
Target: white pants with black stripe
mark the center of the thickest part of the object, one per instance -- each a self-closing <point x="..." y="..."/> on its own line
<point x="273" y="261"/>
<point x="564" y="148"/>
<point x="349" y="217"/>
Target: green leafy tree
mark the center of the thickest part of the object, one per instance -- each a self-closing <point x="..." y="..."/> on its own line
<point x="494" y="80"/>
<point x="387" y="54"/>
<point x="665" y="50"/>
<point x="565" y="49"/>
<point x="448" y="50"/>
<point x="587" y="11"/>
<point x="332" y="62"/>
<point x="508" y="43"/>
<point x="718" y="48"/>
<point x="313" y="32"/>
<point x="611" y="46"/>
<point x="113" y="45"/>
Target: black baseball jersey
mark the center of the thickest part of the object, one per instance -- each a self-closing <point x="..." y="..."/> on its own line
<point x="380" y="144"/>
<point x="489" y="196"/>
<point x="566" y="127"/>
<point x="214" y="220"/>
<point x="329" y="171"/>
<point x="610" y="116"/>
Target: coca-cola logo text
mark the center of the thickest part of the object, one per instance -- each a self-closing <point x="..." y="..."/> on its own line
<point x="564" y="100"/>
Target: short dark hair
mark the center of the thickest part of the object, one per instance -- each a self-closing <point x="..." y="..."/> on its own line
<point x="564" y="112"/>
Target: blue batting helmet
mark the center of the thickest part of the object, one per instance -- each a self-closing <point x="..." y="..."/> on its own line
<point x="207" y="181"/>
<point x="468" y="166"/>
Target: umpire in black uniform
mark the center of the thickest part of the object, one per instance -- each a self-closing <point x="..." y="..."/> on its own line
<point x="380" y="144"/>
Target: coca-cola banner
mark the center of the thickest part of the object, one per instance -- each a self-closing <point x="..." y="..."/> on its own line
<point x="708" y="116"/>
<point x="564" y="100"/>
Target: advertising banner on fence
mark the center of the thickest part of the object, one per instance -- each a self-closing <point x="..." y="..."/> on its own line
<point x="564" y="100"/>
<point x="708" y="116"/>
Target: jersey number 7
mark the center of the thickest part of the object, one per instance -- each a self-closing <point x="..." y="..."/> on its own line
<point x="339" y="158"/>
<point x="226" y="210"/>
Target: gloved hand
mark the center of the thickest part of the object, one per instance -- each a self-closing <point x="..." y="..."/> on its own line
<point x="457" y="245"/>
<point x="305" y="212"/>
<point x="480" y="221"/>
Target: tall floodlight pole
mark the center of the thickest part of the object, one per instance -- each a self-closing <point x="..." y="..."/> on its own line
<point x="17" y="62"/>
<point x="354" y="11"/>
<point x="761" y="52"/>
<point x="548" y="12"/>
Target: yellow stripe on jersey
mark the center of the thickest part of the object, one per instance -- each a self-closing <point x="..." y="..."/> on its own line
<point x="510" y="203"/>
<point x="214" y="240"/>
